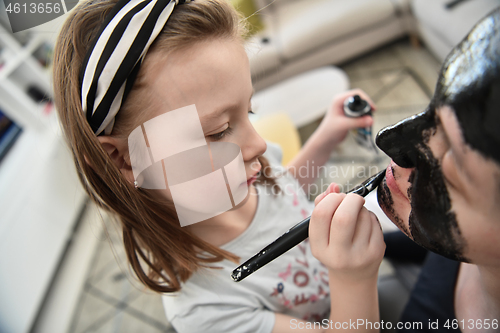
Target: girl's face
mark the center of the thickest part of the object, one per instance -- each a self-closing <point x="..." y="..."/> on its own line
<point x="213" y="75"/>
<point x="439" y="191"/>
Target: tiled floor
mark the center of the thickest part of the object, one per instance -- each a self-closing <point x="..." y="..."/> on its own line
<point x="400" y="80"/>
<point x="112" y="300"/>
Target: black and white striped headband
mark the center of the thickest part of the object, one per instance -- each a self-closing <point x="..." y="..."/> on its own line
<point x="113" y="60"/>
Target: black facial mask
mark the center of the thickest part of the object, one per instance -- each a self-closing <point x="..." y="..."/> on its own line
<point x="431" y="222"/>
<point x="470" y="83"/>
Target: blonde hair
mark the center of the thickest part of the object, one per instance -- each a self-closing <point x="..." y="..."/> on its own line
<point x="161" y="253"/>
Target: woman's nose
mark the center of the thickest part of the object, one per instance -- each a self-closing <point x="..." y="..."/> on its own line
<point x="400" y="141"/>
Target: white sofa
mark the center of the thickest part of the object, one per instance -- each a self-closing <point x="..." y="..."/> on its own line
<point x="442" y="28"/>
<point x="300" y="35"/>
<point x="303" y="34"/>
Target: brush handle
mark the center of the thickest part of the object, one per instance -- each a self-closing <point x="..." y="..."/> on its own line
<point x="282" y="244"/>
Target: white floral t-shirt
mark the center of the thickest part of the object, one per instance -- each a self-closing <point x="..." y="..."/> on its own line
<point x="294" y="284"/>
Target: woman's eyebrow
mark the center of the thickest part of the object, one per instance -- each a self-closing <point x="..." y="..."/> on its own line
<point x="459" y="158"/>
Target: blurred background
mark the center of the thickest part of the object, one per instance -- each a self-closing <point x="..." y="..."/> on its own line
<point x="62" y="264"/>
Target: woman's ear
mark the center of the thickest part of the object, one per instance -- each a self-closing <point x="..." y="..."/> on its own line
<point x="117" y="149"/>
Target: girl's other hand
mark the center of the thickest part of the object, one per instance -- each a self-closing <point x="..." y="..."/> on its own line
<point x="336" y="124"/>
<point x="346" y="237"/>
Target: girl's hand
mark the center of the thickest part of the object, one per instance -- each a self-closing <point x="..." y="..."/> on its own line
<point x="336" y="124"/>
<point x="346" y="237"/>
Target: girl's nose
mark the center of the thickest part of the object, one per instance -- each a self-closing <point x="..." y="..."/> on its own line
<point x="254" y="145"/>
<point x="400" y="141"/>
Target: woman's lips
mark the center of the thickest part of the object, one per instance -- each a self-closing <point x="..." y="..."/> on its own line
<point x="391" y="181"/>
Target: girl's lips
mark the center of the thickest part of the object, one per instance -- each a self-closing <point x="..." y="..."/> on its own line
<point x="251" y="180"/>
<point x="254" y="177"/>
<point x="391" y="181"/>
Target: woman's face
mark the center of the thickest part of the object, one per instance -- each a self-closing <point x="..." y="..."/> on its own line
<point x="215" y="77"/>
<point x="438" y="190"/>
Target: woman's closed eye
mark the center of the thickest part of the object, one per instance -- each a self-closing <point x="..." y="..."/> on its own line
<point x="451" y="170"/>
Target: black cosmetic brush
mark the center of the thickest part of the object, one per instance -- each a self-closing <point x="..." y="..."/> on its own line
<point x="294" y="235"/>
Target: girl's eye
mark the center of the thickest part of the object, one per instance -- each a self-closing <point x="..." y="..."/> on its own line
<point x="220" y="135"/>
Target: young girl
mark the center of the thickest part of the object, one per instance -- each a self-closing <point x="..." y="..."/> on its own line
<point x="120" y="63"/>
